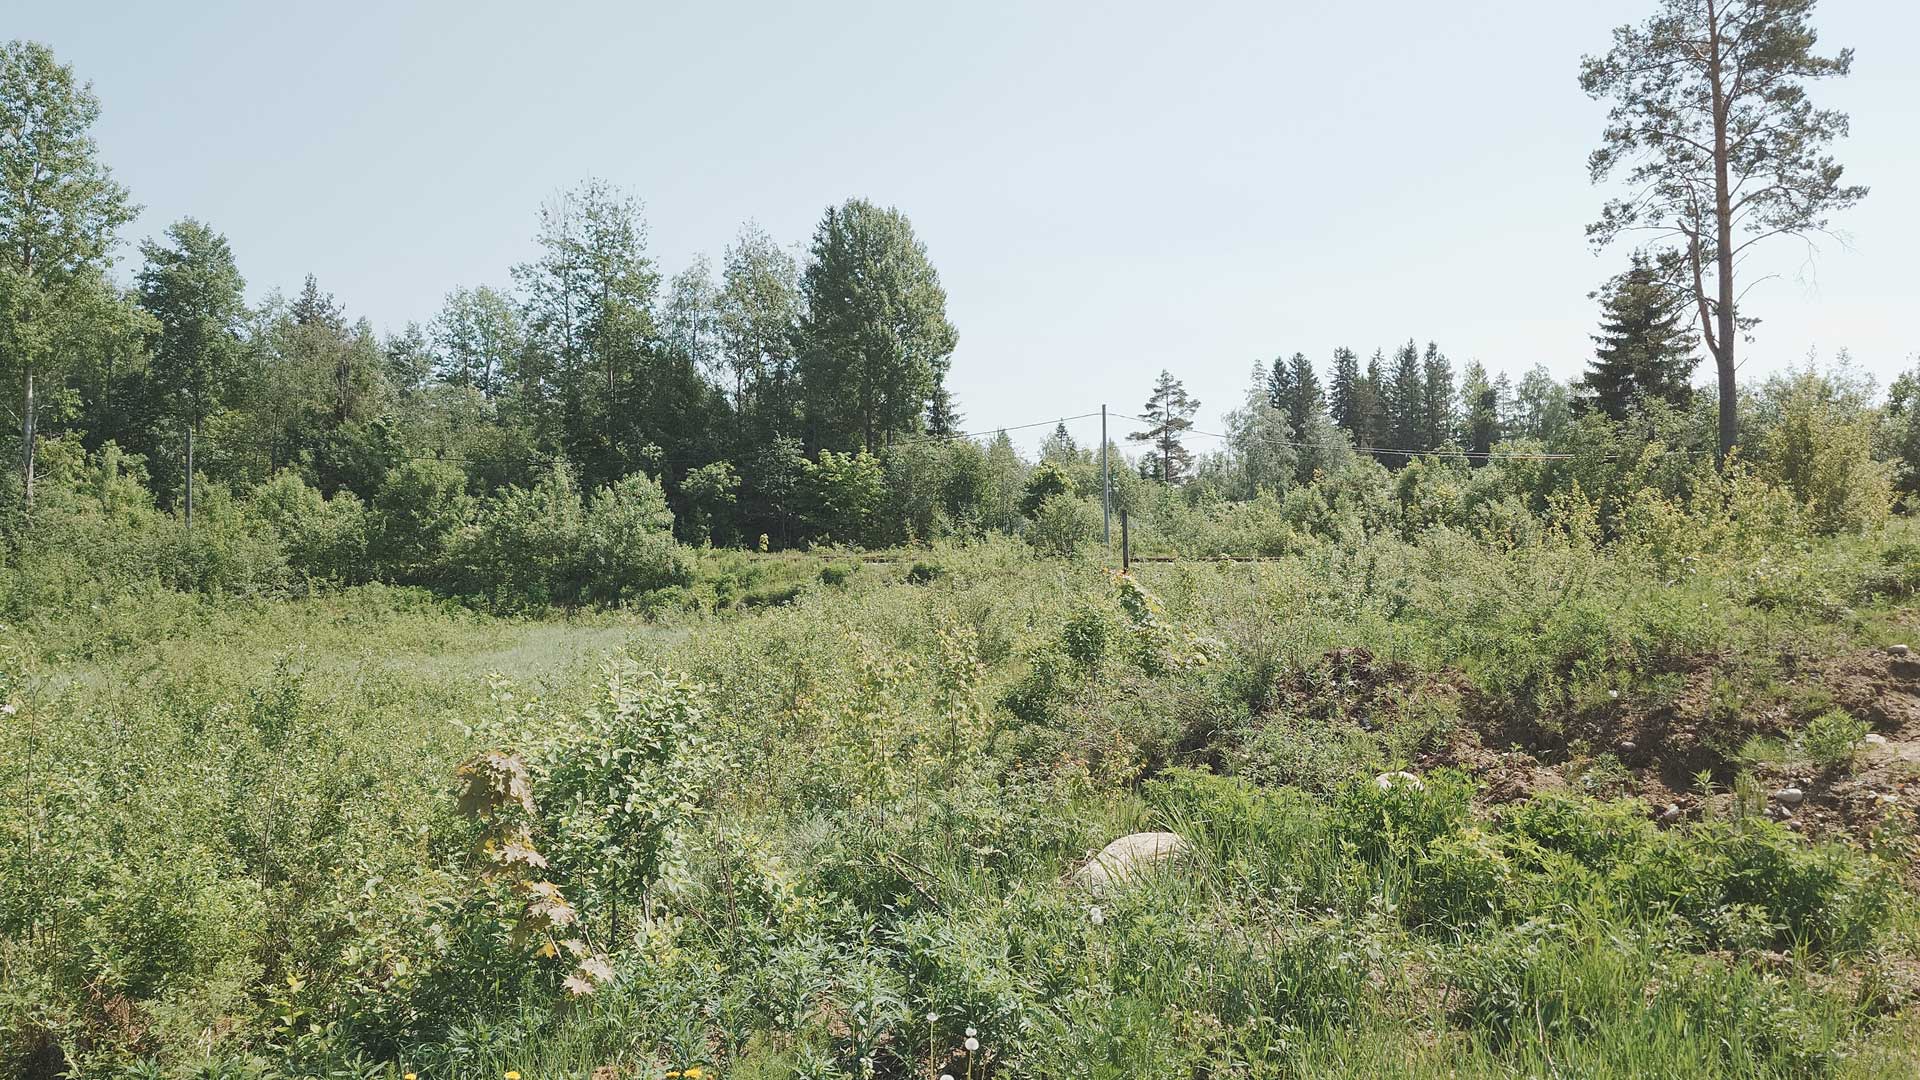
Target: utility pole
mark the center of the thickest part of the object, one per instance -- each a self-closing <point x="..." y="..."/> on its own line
<point x="1106" y="484"/>
<point x="189" y="476"/>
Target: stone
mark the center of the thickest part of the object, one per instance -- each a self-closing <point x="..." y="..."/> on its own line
<point x="1874" y="738"/>
<point x="1390" y="780"/>
<point x="1671" y="814"/>
<point x="1628" y="746"/>
<point x="1898" y="650"/>
<point x="1789" y="796"/>
<point x="1128" y="856"/>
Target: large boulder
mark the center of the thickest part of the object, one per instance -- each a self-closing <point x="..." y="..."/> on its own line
<point x="1128" y="856"/>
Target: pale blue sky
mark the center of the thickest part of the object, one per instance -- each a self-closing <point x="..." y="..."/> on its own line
<point x="1106" y="190"/>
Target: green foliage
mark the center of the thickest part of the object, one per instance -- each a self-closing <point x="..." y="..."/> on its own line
<point x="1833" y="738"/>
<point x="1062" y="523"/>
<point x="417" y="513"/>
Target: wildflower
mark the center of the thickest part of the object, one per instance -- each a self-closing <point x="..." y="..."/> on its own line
<point x="513" y="1074"/>
<point x="971" y="1033"/>
<point x="411" y="1076"/>
<point x="946" y="1076"/>
<point x="931" y="1017"/>
<point x="1614" y="694"/>
<point x="972" y="1045"/>
<point x="1095" y="915"/>
<point x="693" y="1072"/>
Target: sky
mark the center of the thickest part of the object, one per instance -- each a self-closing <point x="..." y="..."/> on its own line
<point x="1106" y="191"/>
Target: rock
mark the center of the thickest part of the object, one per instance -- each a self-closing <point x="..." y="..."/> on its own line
<point x="1628" y="746"/>
<point x="1127" y="856"/>
<point x="1887" y="797"/>
<point x="1389" y="780"/>
<point x="1789" y="796"/>
<point x="1671" y="814"/>
<point x="1874" y="738"/>
<point x="1898" y="650"/>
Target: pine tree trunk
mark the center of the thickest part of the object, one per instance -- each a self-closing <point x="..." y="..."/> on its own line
<point x="1723" y="253"/>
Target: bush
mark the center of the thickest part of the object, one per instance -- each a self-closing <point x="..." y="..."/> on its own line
<point x="1062" y="524"/>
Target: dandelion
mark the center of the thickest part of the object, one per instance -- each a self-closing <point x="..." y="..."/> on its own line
<point x="931" y="1017"/>
<point x="411" y="1076"/>
<point x="694" y="1072"/>
<point x="972" y="1045"/>
<point x="1095" y="915"/>
<point x="971" y="1033"/>
<point x="513" y="1074"/>
<point x="946" y="1076"/>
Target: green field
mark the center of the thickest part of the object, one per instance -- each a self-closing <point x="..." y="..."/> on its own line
<point x="774" y="841"/>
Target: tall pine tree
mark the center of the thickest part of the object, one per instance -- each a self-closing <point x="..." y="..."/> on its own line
<point x="1170" y="410"/>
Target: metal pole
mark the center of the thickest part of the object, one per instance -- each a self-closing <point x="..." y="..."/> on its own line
<point x="1106" y="484"/>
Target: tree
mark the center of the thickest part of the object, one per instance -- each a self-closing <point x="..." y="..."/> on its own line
<point x="1542" y="407"/>
<point x="692" y="318"/>
<point x="1436" y="424"/>
<point x="60" y="213"/>
<point x="196" y="296"/>
<point x="1170" y="410"/>
<point x="411" y="360"/>
<point x="1645" y="349"/>
<point x="479" y="338"/>
<point x="1372" y="425"/>
<point x="1403" y="397"/>
<point x="759" y="314"/>
<point x="1043" y="483"/>
<point x="1260" y="441"/>
<point x="875" y="340"/>
<point x="1306" y="398"/>
<point x="710" y="491"/>
<point x="592" y="380"/>
<point x="1481" y="406"/>
<point x="1343" y="390"/>
<point x="1722" y="148"/>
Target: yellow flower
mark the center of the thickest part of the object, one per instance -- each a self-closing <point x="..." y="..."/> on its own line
<point x="693" y="1073"/>
<point x="411" y="1076"/>
<point x="513" y="1074"/>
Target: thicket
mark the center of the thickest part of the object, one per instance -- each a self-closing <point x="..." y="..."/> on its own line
<point x="250" y="837"/>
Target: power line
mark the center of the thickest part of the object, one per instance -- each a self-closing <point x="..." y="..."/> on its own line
<point x="1450" y="451"/>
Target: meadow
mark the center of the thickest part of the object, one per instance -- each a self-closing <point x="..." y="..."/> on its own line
<point x="833" y="832"/>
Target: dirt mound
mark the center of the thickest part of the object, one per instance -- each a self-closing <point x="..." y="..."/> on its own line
<point x="1657" y="753"/>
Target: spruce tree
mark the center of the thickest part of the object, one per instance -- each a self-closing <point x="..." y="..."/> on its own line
<point x="1644" y="347"/>
<point x="1371" y="425"/>
<point x="1342" y="388"/>
<point x="1403" y="392"/>
<point x="1306" y="399"/>
<point x="1280" y="385"/>
<point x="1437" y="424"/>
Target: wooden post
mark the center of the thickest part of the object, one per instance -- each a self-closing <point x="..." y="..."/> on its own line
<point x="1126" y="553"/>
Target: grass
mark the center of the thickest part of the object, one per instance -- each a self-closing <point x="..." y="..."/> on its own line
<point x="230" y="844"/>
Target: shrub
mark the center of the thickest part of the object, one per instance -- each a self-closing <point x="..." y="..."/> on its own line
<point x="1832" y="738"/>
<point x="417" y="512"/>
<point x="1061" y="524"/>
